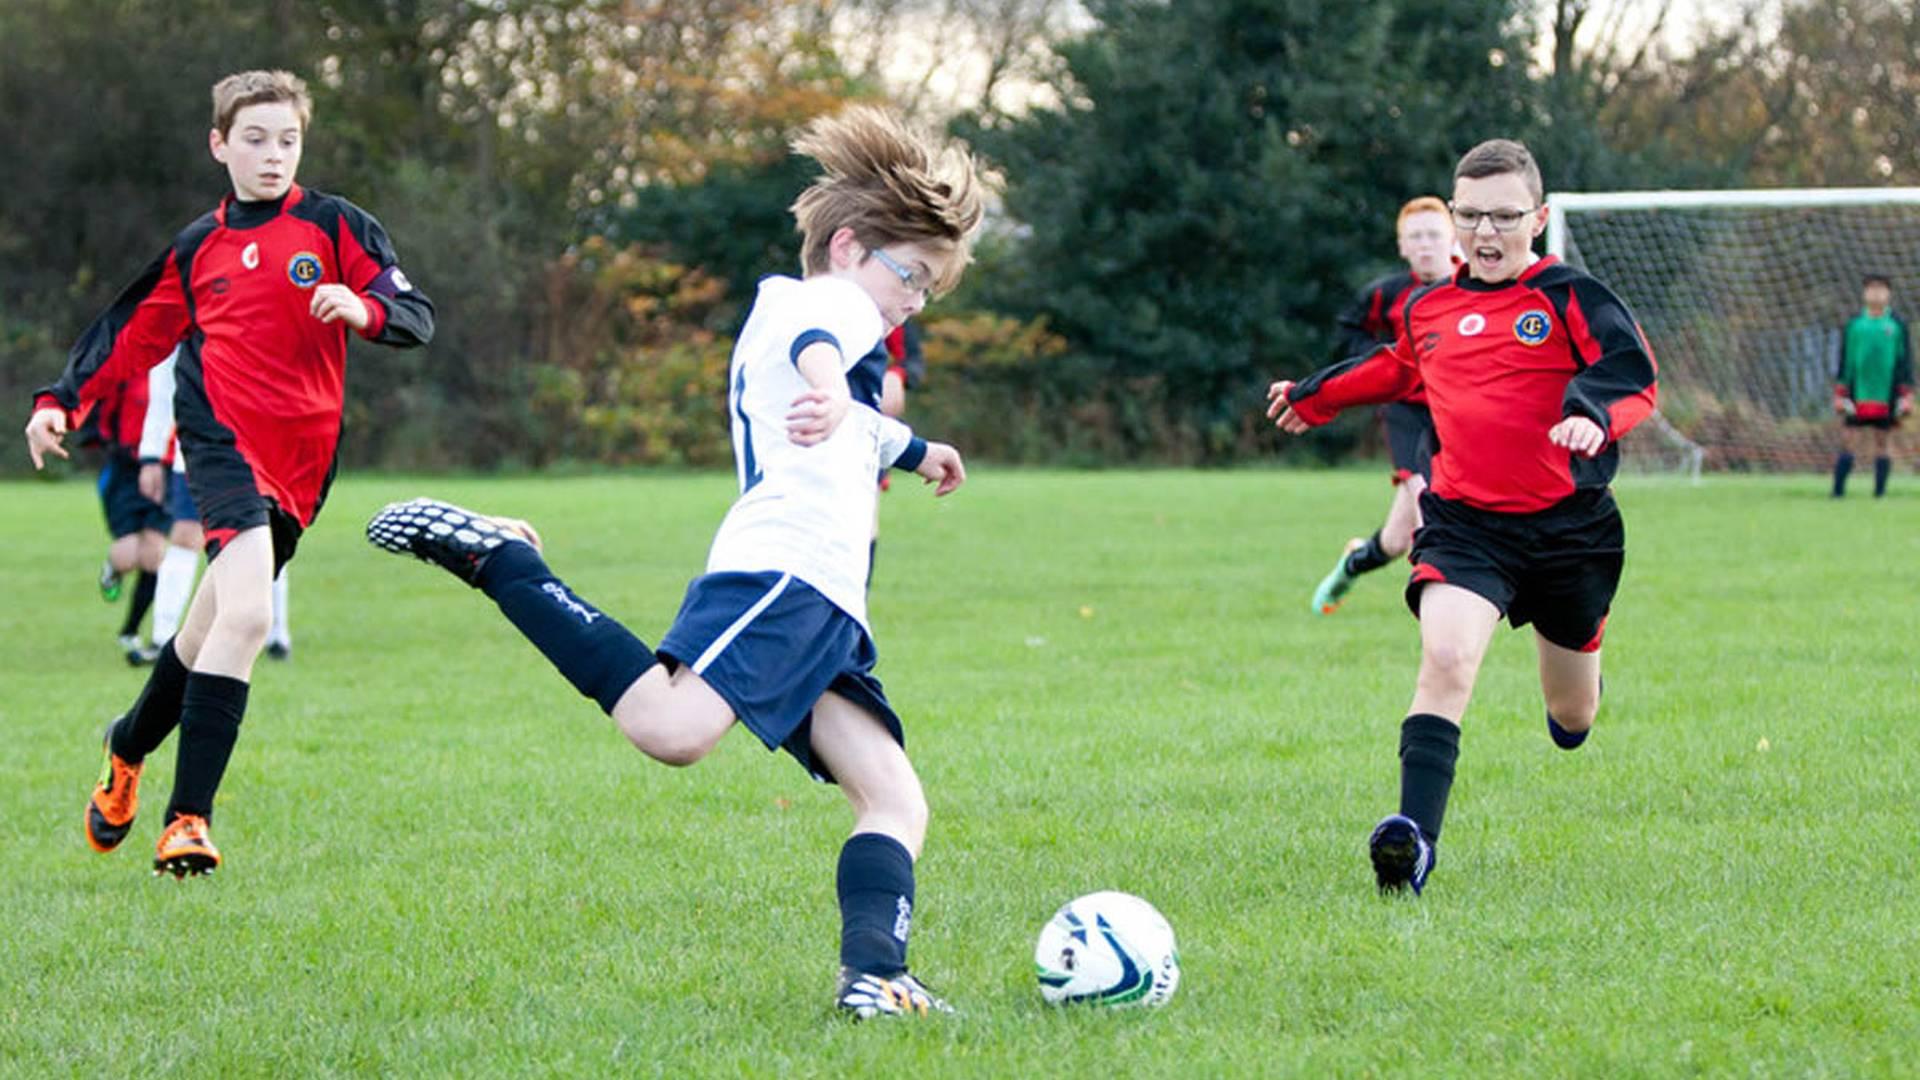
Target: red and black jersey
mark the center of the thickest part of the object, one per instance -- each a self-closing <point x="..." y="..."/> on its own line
<point x="121" y="412"/>
<point x="258" y="372"/>
<point x="1503" y="363"/>
<point x="907" y="360"/>
<point x="1372" y="318"/>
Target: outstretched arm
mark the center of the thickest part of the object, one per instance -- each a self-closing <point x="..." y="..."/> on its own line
<point x="142" y="327"/>
<point x="1385" y="374"/>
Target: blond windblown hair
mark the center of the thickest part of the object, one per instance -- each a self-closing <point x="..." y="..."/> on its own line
<point x="889" y="185"/>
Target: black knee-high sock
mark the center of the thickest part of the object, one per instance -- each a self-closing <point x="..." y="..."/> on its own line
<point x="875" y="882"/>
<point x="1367" y="556"/>
<point x="1881" y="467"/>
<point x="137" y="607"/>
<point x="1429" y="745"/>
<point x="156" y="712"/>
<point x="210" y="715"/>
<point x="600" y="657"/>
<point x="1842" y="465"/>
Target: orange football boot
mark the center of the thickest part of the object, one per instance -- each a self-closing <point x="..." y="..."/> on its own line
<point x="185" y="850"/>
<point x="115" y="799"/>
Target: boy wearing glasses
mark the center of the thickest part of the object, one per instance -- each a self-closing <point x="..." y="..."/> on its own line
<point x="1425" y="235"/>
<point x="1533" y="371"/>
<point x="775" y="634"/>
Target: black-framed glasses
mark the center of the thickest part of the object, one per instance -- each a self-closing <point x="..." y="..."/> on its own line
<point x="909" y="277"/>
<point x="1504" y="220"/>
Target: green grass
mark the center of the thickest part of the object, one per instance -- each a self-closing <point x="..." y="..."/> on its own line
<point x="440" y="860"/>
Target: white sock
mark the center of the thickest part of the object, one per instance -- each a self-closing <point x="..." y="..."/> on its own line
<point x="171" y="591"/>
<point x="280" y="633"/>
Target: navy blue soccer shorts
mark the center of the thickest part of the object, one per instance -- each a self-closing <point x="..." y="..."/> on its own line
<point x="127" y="510"/>
<point x="180" y="498"/>
<point x="769" y="644"/>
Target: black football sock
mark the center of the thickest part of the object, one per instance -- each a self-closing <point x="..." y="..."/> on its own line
<point x="210" y="715"/>
<point x="1367" y="556"/>
<point x="137" y="607"/>
<point x="1881" y="467"/>
<point x="1429" y="745"/>
<point x="156" y="712"/>
<point x="875" y="882"/>
<point x="1842" y="465"/>
<point x="600" y="657"/>
<point x="873" y="553"/>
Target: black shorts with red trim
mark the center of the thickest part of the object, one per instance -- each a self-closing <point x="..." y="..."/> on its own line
<point x="230" y="502"/>
<point x="1882" y="423"/>
<point x="1556" y="568"/>
<point x="1410" y="439"/>
<point x="127" y="510"/>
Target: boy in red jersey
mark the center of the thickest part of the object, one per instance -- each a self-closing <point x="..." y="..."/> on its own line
<point x="1533" y="372"/>
<point x="260" y="293"/>
<point x="137" y="524"/>
<point x="1425" y="237"/>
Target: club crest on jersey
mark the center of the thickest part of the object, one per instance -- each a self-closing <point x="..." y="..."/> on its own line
<point x="304" y="269"/>
<point x="1471" y="323"/>
<point x="1532" y="327"/>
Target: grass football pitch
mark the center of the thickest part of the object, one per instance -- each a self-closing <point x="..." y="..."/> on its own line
<point x="442" y="861"/>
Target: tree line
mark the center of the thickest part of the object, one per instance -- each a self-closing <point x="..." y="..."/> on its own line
<point x="589" y="188"/>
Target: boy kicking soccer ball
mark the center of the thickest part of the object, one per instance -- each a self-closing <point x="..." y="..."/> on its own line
<point x="774" y="635"/>
<point x="1533" y="372"/>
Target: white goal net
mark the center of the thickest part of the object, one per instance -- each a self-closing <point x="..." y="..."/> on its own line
<point x="1743" y="295"/>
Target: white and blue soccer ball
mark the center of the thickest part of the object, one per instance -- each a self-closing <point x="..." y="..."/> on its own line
<point x="1107" y="948"/>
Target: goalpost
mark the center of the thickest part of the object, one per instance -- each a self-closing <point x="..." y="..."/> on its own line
<point x="1743" y="296"/>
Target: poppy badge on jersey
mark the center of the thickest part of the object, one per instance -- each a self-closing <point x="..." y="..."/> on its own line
<point x="1471" y="324"/>
<point x="304" y="269"/>
<point x="1533" y="327"/>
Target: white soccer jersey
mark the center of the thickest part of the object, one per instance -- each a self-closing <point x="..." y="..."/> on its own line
<point x="158" y="440"/>
<point x="804" y="510"/>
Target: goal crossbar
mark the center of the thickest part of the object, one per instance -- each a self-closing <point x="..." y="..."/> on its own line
<point x="1559" y="204"/>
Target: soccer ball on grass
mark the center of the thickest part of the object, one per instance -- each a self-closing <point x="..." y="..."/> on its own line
<point x="1107" y="948"/>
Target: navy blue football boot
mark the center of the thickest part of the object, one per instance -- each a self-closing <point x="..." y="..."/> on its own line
<point x="1402" y="857"/>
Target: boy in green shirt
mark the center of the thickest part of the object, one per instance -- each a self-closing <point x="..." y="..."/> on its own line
<point x="1873" y="386"/>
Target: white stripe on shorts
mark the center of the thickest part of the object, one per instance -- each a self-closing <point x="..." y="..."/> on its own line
<point x="725" y="639"/>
